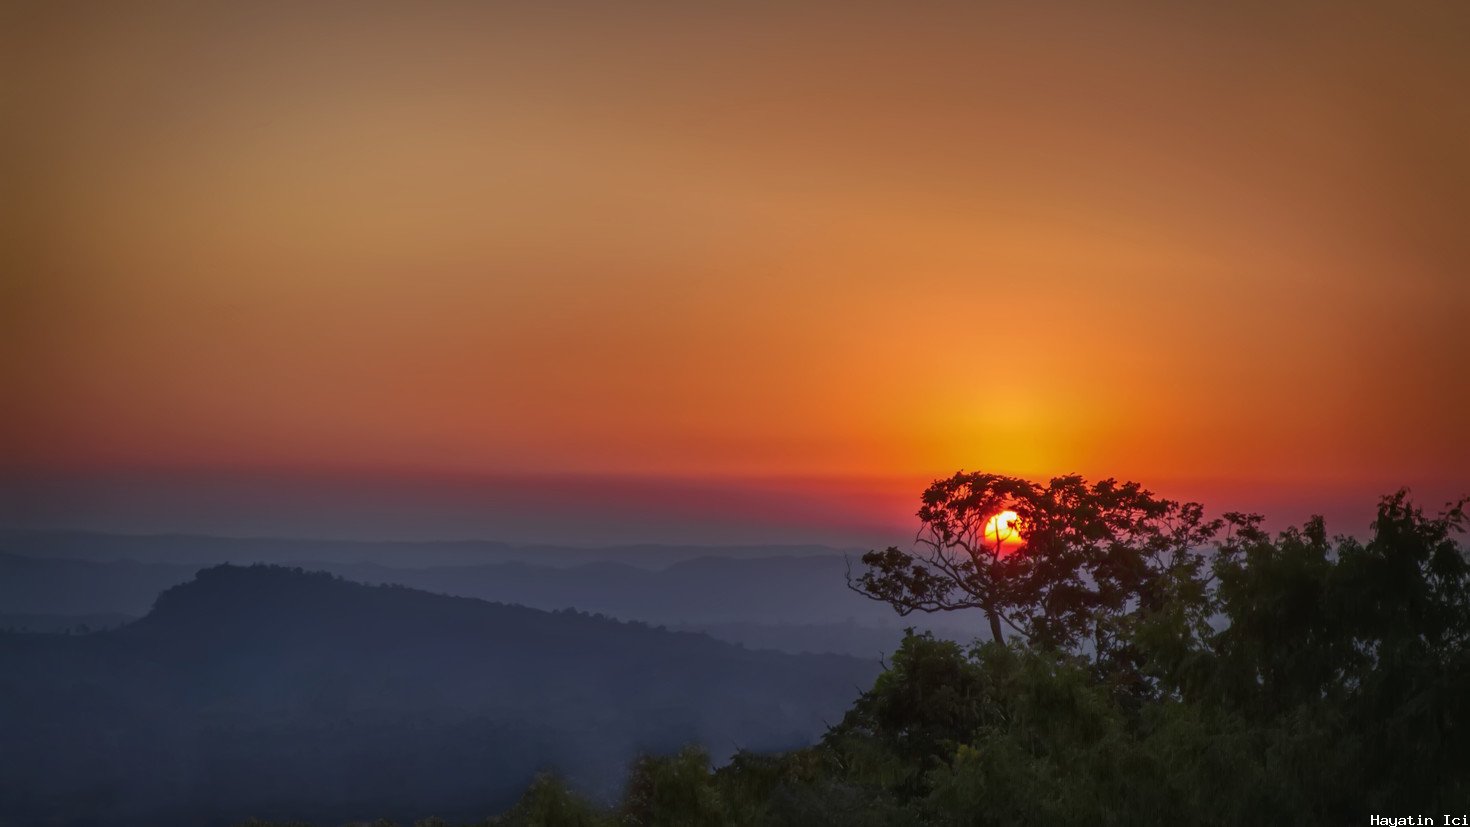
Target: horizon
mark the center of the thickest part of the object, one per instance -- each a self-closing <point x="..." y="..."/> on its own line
<point x="579" y="511"/>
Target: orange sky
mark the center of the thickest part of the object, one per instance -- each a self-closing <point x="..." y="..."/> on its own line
<point x="1192" y="245"/>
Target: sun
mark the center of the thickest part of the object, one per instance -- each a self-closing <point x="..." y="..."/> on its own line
<point x="1002" y="529"/>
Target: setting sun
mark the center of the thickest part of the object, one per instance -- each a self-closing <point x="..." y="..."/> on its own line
<point x="1002" y="528"/>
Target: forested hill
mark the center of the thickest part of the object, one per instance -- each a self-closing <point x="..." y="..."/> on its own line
<point x="791" y="603"/>
<point x="263" y="691"/>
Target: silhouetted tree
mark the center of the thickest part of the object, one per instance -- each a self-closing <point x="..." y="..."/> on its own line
<point x="1095" y="561"/>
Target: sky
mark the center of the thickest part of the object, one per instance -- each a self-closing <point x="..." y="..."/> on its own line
<point x="723" y="272"/>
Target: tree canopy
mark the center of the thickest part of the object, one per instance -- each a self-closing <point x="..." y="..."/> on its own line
<point x="1095" y="560"/>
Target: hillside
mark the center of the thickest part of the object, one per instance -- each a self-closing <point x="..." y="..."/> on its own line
<point x="265" y="691"/>
<point x="789" y="602"/>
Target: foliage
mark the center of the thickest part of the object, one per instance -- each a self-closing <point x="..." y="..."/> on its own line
<point x="548" y="803"/>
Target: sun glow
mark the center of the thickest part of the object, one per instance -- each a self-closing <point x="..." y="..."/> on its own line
<point x="1002" y="529"/>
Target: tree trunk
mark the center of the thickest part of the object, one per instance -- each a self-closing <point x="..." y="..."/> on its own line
<point x="990" y="611"/>
<point x="994" y="624"/>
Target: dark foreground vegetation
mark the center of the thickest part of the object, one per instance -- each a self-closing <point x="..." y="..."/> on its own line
<point x="1161" y="668"/>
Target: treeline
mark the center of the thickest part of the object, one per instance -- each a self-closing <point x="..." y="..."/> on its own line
<point x="1147" y="680"/>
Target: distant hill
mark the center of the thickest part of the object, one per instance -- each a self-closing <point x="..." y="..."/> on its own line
<point x="790" y="603"/>
<point x="271" y="692"/>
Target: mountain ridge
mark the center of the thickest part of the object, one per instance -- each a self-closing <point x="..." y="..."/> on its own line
<point x="266" y="682"/>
